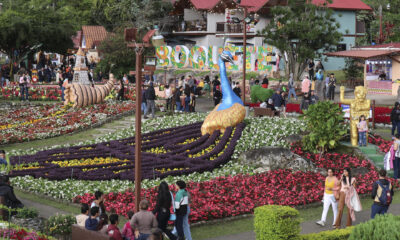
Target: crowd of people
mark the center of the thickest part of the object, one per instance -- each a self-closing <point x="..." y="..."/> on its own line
<point x="144" y="224"/>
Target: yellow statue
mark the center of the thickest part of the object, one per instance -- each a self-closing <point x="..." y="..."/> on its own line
<point x="231" y="111"/>
<point x="358" y="106"/>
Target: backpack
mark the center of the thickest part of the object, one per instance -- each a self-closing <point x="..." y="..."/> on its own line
<point x="386" y="195"/>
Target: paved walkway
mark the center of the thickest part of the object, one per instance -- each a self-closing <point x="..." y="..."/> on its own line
<point x="45" y="211"/>
<point x="312" y="227"/>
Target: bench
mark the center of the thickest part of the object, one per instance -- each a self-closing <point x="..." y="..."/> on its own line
<point x="80" y="233"/>
<point x="259" y="112"/>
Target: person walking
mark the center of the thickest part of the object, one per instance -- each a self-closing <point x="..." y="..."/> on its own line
<point x="347" y="181"/>
<point x="394" y="117"/>
<point x="319" y="85"/>
<point x="150" y="98"/>
<point x="331" y="189"/>
<point x="292" y="87"/>
<point x="331" y="87"/>
<point x="186" y="92"/>
<point x="181" y="205"/>
<point x="162" y="209"/>
<point x="382" y="193"/>
<point x="396" y="161"/>
<point x="178" y="93"/>
<point x="22" y="86"/>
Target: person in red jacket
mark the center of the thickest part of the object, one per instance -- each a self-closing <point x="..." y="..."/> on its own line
<point x="113" y="230"/>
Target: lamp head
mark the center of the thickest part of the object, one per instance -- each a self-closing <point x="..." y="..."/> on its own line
<point x="226" y="56"/>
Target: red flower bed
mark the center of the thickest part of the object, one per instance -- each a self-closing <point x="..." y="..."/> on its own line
<point x="240" y="194"/>
<point x="382" y="144"/>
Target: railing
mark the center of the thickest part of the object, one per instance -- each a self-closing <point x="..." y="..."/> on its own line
<point x="224" y="27"/>
<point x="190" y="26"/>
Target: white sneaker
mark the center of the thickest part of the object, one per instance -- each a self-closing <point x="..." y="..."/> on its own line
<point x="321" y="223"/>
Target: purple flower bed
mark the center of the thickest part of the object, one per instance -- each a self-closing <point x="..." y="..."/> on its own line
<point x="178" y="158"/>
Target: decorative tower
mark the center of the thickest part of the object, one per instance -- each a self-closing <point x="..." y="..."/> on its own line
<point x="80" y="69"/>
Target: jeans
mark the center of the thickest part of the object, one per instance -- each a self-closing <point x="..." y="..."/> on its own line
<point x="394" y="126"/>
<point x="396" y="166"/>
<point x="3" y="80"/>
<point x="179" y="226"/>
<point x="144" y="107"/>
<point x="362" y="138"/>
<point x="143" y="236"/>
<point x="186" y="226"/>
<point x="22" y="92"/>
<point x="378" y="209"/>
<point x="62" y="94"/>
<point x="329" y="199"/>
<point x="26" y="93"/>
<point x="187" y="102"/>
<point x="150" y="106"/>
<point x="179" y="106"/>
<point x="162" y="219"/>
<point x="398" y="127"/>
<point x="292" y="92"/>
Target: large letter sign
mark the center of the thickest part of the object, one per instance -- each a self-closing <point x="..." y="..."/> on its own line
<point x="262" y="59"/>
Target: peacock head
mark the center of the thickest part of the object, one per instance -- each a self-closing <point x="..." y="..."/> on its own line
<point x="226" y="56"/>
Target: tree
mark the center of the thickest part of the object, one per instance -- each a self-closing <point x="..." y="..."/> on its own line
<point x="117" y="58"/>
<point x="390" y="23"/>
<point x="302" y="31"/>
<point x="27" y="26"/>
<point x="353" y="69"/>
<point x="141" y="14"/>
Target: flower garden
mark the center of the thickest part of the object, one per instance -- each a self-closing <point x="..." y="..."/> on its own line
<point x="51" y="93"/>
<point x="173" y="148"/>
<point x="31" y="122"/>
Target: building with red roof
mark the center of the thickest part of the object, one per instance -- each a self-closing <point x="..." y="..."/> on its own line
<point x="219" y="22"/>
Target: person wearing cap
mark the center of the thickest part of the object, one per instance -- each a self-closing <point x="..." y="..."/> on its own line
<point x="3" y="157"/>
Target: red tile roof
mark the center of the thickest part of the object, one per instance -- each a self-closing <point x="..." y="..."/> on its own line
<point x="386" y="45"/>
<point x="362" y="54"/>
<point x="256" y="4"/>
<point x="94" y="34"/>
<point x="345" y="4"/>
<point x="204" y="4"/>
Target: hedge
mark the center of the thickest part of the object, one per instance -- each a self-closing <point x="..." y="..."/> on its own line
<point x="338" y="234"/>
<point x="274" y="222"/>
<point x="382" y="227"/>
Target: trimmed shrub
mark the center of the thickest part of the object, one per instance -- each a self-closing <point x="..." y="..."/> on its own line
<point x="259" y="94"/>
<point x="273" y="222"/>
<point x="338" y="234"/>
<point x="383" y="227"/>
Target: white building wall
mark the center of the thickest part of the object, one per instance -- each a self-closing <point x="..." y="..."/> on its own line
<point x="212" y="19"/>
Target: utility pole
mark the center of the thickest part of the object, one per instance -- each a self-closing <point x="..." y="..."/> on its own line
<point x="380" y="25"/>
<point x="244" y="54"/>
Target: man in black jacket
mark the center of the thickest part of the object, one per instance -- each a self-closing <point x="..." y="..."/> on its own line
<point x="7" y="192"/>
<point x="394" y="118"/>
<point x="150" y="98"/>
<point x="381" y="187"/>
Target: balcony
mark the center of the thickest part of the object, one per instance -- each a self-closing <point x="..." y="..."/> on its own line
<point x="232" y="28"/>
<point x="190" y="28"/>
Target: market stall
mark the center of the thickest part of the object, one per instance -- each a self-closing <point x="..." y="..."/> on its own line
<point x="381" y="66"/>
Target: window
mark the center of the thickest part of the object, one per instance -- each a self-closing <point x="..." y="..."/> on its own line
<point x="341" y="47"/>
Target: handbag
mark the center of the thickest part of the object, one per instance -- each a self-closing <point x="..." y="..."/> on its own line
<point x="336" y="191"/>
<point x="172" y="217"/>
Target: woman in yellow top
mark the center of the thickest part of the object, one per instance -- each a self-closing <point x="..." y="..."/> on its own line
<point x="331" y="183"/>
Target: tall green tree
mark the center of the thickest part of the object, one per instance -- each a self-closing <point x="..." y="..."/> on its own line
<point x="390" y="15"/>
<point x="302" y="31"/>
<point x="28" y="26"/>
<point x="138" y="13"/>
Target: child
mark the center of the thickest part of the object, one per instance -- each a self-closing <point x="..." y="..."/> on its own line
<point x="113" y="230"/>
<point x="362" y="131"/>
<point x="127" y="231"/>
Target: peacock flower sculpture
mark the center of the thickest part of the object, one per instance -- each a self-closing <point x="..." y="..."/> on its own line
<point x="83" y="95"/>
<point x="231" y="111"/>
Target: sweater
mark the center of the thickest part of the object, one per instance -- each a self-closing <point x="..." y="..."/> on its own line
<point x="113" y="231"/>
<point x="181" y="202"/>
<point x="91" y="224"/>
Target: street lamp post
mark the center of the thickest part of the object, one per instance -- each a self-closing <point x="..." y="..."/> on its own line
<point x="244" y="54"/>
